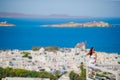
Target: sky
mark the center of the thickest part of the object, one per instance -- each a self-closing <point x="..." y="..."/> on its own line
<point x="95" y="8"/>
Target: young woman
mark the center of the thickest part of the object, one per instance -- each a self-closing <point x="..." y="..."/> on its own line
<point x="92" y="61"/>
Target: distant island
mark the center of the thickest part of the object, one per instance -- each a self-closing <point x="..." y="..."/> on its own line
<point x="6" y="24"/>
<point x="87" y="24"/>
<point x="21" y="15"/>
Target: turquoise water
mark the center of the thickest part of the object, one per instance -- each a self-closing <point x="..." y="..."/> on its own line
<point x="29" y="32"/>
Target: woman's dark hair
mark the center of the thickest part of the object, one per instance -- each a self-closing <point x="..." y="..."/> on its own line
<point x="90" y="52"/>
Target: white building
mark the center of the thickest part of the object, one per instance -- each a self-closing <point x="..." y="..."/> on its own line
<point x="80" y="47"/>
<point x="42" y="50"/>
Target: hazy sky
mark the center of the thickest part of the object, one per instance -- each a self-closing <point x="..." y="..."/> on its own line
<point x="98" y="8"/>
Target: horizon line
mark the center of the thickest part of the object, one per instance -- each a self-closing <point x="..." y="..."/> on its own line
<point x="17" y="14"/>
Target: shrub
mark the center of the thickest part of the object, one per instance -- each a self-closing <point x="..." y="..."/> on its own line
<point x="51" y="48"/>
<point x="9" y="72"/>
<point x="118" y="62"/>
<point x="25" y="54"/>
<point x="74" y="76"/>
<point x="30" y="57"/>
<point x="35" y="48"/>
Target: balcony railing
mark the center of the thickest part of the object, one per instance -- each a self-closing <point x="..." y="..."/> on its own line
<point x="113" y="69"/>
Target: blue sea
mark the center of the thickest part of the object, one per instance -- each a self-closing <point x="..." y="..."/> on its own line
<point x="28" y="32"/>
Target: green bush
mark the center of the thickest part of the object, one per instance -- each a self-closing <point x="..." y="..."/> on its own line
<point x="30" y="57"/>
<point x="25" y="54"/>
<point x="81" y="76"/>
<point x="118" y="62"/>
<point x="35" y="48"/>
<point x="83" y="72"/>
<point x="51" y="48"/>
<point x="74" y="76"/>
<point x="9" y="72"/>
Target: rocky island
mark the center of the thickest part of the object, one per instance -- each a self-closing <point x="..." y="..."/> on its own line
<point x="87" y="24"/>
<point x="6" y="24"/>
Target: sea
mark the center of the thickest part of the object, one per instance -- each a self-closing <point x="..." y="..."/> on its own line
<point x="29" y="32"/>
